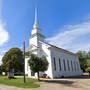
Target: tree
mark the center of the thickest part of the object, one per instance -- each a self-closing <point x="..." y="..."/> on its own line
<point x="38" y="64"/>
<point x="0" y="70"/>
<point x="82" y="59"/>
<point x="88" y="66"/>
<point x="89" y="55"/>
<point x="13" y="60"/>
<point x="88" y="70"/>
<point x="27" y="54"/>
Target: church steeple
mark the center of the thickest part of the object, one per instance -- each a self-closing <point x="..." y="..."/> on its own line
<point x="36" y="34"/>
<point x="35" y="26"/>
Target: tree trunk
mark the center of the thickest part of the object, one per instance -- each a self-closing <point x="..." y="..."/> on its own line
<point x="38" y="76"/>
<point x="89" y="73"/>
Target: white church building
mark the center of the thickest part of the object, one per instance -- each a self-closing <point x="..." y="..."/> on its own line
<point x="62" y="63"/>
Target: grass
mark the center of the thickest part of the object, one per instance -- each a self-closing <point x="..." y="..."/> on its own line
<point x="18" y="82"/>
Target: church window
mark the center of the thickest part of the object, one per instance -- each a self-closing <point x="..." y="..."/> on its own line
<point x="64" y="65"/>
<point x="54" y="64"/>
<point x="59" y="64"/>
<point x="72" y="65"/>
<point x="75" y="66"/>
<point x="68" y="65"/>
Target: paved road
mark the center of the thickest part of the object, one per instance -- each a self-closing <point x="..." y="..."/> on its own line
<point x="3" y="88"/>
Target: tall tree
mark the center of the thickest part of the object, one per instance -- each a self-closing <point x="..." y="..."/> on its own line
<point x="89" y="55"/>
<point x="0" y="70"/>
<point x="38" y="64"/>
<point x="13" y="60"/>
<point x="82" y="59"/>
<point x="88" y="66"/>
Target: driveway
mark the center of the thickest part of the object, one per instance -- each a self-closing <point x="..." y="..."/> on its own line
<point x="58" y="84"/>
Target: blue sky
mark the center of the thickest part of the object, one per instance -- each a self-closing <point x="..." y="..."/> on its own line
<point x="65" y="23"/>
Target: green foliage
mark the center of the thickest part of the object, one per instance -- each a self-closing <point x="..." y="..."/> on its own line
<point x="13" y="60"/>
<point x="18" y="82"/>
<point x="38" y="64"/>
<point x="82" y="59"/>
<point x="0" y="70"/>
<point x="89" y="54"/>
<point x="27" y="54"/>
<point x="88" y="69"/>
<point x="88" y="63"/>
<point x="88" y="66"/>
<point x="82" y="54"/>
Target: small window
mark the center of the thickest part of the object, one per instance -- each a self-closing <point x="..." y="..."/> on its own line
<point x="54" y="64"/>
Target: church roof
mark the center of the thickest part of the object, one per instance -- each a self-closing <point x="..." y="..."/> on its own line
<point x="66" y="51"/>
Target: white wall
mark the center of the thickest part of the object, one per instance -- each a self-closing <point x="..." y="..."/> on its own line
<point x="26" y="65"/>
<point x="33" y="41"/>
<point x="46" y="52"/>
<point x="63" y="56"/>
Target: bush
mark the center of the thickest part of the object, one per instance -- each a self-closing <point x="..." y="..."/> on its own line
<point x="88" y="70"/>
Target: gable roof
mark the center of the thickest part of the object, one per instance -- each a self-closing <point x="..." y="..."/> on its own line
<point x="59" y="48"/>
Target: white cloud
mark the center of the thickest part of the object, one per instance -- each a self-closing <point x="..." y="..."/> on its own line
<point x="0" y="59"/>
<point x="4" y="36"/>
<point x="3" y="32"/>
<point x="73" y="37"/>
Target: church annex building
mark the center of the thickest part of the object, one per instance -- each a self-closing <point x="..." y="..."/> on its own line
<point x="62" y="63"/>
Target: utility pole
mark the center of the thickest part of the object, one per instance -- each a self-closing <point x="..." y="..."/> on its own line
<point x="24" y="61"/>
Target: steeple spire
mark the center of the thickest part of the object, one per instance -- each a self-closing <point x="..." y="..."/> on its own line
<point x="35" y="23"/>
<point x="36" y="34"/>
<point x="36" y="16"/>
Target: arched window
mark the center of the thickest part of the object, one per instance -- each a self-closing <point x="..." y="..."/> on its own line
<point x="72" y="65"/>
<point x="64" y="65"/>
<point x="68" y="65"/>
<point x="59" y="64"/>
<point x="75" y="65"/>
<point x="54" y="64"/>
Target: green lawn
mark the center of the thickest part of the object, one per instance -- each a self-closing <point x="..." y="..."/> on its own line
<point x="18" y="82"/>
